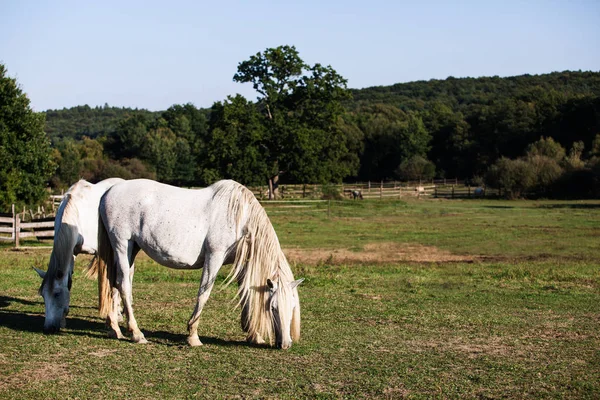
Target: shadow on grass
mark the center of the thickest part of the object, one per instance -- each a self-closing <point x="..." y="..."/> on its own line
<point x="34" y="322"/>
<point x="173" y="339"/>
<point x="5" y="301"/>
<point x="572" y="206"/>
<point x="26" y="322"/>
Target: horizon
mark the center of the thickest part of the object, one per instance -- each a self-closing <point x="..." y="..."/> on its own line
<point x="370" y="87"/>
<point x="150" y="55"/>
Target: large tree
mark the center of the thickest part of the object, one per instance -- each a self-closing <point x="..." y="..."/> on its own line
<point x="302" y="108"/>
<point x="25" y="154"/>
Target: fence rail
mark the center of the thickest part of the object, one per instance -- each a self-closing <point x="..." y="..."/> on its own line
<point x="291" y="196"/>
<point x="441" y="188"/>
<point x="13" y="229"/>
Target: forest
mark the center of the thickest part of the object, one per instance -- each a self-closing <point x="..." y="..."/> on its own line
<point x="533" y="135"/>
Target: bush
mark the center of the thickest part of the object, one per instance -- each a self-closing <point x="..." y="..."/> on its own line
<point x="331" y="192"/>
<point x="546" y="172"/>
<point x="546" y="147"/>
<point x="416" y="168"/>
<point x="514" y="177"/>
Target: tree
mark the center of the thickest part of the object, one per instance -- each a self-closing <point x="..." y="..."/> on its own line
<point x="301" y="107"/>
<point x="546" y="147"/>
<point x="515" y="177"/>
<point x="26" y="163"/>
<point x="392" y="136"/>
<point x="416" y="168"/>
<point x="236" y="148"/>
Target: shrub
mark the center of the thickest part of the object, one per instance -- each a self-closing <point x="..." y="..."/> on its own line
<point x="546" y="147"/>
<point x="514" y="177"/>
<point x="331" y="192"/>
<point x="416" y="168"/>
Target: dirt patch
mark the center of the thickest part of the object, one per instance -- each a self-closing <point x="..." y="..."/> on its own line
<point x="378" y="253"/>
<point x="38" y="373"/>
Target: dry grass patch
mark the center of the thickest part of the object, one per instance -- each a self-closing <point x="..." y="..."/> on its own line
<point x="35" y="374"/>
<point x="376" y="253"/>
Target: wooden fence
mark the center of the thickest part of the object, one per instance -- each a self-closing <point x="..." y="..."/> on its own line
<point x="13" y="229"/>
<point x="13" y="226"/>
<point x="451" y="189"/>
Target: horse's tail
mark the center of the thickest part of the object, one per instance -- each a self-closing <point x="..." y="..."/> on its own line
<point x="105" y="267"/>
<point x="91" y="271"/>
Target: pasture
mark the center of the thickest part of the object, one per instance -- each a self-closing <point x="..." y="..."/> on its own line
<point x="416" y="299"/>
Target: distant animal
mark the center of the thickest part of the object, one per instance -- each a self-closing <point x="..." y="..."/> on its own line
<point x="75" y="232"/>
<point x="198" y="228"/>
<point x="356" y="194"/>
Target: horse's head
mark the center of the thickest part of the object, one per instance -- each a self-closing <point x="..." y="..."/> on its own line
<point x="284" y="305"/>
<point x="56" y="291"/>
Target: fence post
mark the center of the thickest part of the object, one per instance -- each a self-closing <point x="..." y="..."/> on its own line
<point x="453" y="191"/>
<point x="381" y="191"/>
<point x="469" y="191"/>
<point x="17" y="229"/>
<point x="12" y="234"/>
<point x="328" y="208"/>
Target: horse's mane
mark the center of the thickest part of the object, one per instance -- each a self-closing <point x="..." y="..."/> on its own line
<point x="65" y="239"/>
<point x="258" y="257"/>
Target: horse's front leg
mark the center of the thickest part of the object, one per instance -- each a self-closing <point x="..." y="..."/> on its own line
<point x="124" y="283"/>
<point x="212" y="264"/>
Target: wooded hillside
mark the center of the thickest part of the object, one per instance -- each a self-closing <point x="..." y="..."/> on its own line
<point x="457" y="127"/>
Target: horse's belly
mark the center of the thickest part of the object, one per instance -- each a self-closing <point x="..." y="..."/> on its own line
<point x="183" y="253"/>
<point x="191" y="260"/>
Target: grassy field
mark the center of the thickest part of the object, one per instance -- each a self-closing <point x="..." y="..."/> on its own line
<point x="418" y="299"/>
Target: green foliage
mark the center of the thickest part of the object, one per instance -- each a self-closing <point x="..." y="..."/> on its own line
<point x="391" y="137"/>
<point x="573" y="160"/>
<point x="331" y="192"/>
<point x="301" y="107"/>
<point x="77" y="122"/>
<point x="416" y="168"/>
<point x="236" y="149"/>
<point x="514" y="177"/>
<point x="546" y="147"/>
<point x="305" y="125"/>
<point x="26" y="162"/>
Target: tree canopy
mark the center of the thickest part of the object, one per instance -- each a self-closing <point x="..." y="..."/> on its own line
<point x="25" y="153"/>
<point x="305" y="126"/>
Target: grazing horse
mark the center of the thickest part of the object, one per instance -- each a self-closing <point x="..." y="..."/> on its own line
<point x="75" y="231"/>
<point x="191" y="229"/>
<point x="357" y="194"/>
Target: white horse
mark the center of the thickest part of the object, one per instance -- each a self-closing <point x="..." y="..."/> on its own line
<point x="75" y="231"/>
<point x="190" y="229"/>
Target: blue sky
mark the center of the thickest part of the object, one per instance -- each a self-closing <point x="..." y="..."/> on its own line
<point x="152" y="54"/>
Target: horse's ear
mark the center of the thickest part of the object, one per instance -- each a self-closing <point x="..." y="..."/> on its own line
<point x="41" y="273"/>
<point x="296" y="283"/>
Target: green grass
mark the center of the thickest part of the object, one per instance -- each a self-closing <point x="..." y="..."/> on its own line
<point x="521" y="322"/>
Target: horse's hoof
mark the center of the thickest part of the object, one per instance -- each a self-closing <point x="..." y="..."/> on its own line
<point x="115" y="335"/>
<point x="140" y="339"/>
<point x="255" y="339"/>
<point x="194" y="341"/>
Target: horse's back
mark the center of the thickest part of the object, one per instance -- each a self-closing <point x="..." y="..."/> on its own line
<point x="85" y="198"/>
<point x="169" y="223"/>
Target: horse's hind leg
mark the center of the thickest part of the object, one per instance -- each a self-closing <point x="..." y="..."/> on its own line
<point x="112" y="320"/>
<point x="212" y="264"/>
<point x="123" y="255"/>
